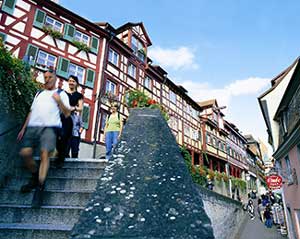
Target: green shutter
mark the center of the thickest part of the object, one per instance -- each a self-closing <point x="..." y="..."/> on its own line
<point x="63" y="67"/>
<point x="8" y="6"/>
<point x="31" y="54"/>
<point x="86" y="116"/>
<point x="39" y="18"/>
<point x="69" y="32"/>
<point x="94" y="44"/>
<point x="90" y="78"/>
<point x="2" y="37"/>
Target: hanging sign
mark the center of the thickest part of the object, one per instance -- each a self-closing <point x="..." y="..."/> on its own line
<point x="274" y="181"/>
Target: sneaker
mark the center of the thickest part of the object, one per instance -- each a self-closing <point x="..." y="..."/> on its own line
<point x="38" y="197"/>
<point x="33" y="183"/>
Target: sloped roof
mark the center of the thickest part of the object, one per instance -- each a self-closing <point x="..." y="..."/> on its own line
<point x="276" y="80"/>
<point x="207" y="103"/>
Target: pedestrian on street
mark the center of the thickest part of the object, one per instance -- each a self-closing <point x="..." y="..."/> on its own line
<point x="64" y="140"/>
<point x="40" y="131"/>
<point x="113" y="130"/>
<point x="76" y="102"/>
<point x="268" y="217"/>
<point x="250" y="209"/>
<point x="209" y="183"/>
<point x="260" y="210"/>
<point x="77" y="130"/>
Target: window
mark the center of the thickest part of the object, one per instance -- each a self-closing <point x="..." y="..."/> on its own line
<point x="46" y="59"/>
<point x="187" y="130"/>
<point x="8" y="6"/>
<point x="172" y="97"/>
<point x="54" y="24"/>
<point x="77" y="71"/>
<point x="86" y="116"/>
<point x="113" y="57"/>
<point x="194" y="113"/>
<point x="208" y="139"/>
<point x="81" y="37"/>
<point x="147" y="82"/>
<point x="138" y="48"/>
<point x="131" y="70"/>
<point x="2" y="36"/>
<point x="103" y="120"/>
<point x="289" y="170"/>
<point x="195" y="135"/>
<point x="110" y="87"/>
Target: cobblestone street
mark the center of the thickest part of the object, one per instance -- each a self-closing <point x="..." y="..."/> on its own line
<point x="256" y="230"/>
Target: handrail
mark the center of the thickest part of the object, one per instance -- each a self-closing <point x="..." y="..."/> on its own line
<point x="9" y="130"/>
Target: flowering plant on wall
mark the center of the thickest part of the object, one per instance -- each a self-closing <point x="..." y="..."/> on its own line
<point x="109" y="97"/>
<point x="50" y="31"/>
<point x="138" y="99"/>
<point x="81" y="46"/>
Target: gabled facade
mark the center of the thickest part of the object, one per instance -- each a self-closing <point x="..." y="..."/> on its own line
<point x="236" y="151"/>
<point x="286" y="137"/>
<point x="46" y="35"/>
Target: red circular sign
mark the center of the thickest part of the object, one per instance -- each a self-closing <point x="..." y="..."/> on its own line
<point x="274" y="181"/>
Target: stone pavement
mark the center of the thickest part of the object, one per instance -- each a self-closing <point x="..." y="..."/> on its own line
<point x="256" y="230"/>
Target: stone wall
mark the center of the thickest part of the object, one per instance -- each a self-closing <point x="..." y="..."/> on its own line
<point x="226" y="215"/>
<point x="8" y="145"/>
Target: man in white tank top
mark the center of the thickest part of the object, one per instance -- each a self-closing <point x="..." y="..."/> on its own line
<point x="39" y="131"/>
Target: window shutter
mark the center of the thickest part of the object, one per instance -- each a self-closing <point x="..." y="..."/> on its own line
<point x="94" y="44"/>
<point x="69" y="32"/>
<point x="2" y="37"/>
<point x="8" y="6"/>
<point x="31" y="54"/>
<point x="90" y="78"/>
<point x="86" y="116"/>
<point x="63" y="67"/>
<point x="39" y="18"/>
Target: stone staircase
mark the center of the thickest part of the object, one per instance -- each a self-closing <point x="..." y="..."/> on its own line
<point x="67" y="192"/>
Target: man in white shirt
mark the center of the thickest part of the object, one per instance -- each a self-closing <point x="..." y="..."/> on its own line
<point x="39" y="131"/>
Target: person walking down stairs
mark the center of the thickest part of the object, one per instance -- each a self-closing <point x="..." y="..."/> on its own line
<point x="40" y="132"/>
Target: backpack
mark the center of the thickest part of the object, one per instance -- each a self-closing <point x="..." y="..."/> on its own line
<point x="66" y="123"/>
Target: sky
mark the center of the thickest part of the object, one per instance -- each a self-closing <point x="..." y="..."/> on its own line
<point x="227" y="49"/>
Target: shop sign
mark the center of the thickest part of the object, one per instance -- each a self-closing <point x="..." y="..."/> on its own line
<point x="274" y="182"/>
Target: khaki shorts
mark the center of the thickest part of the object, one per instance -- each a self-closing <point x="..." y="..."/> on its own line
<point x="40" y="138"/>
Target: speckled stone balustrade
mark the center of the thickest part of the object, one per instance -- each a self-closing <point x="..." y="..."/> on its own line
<point x="146" y="190"/>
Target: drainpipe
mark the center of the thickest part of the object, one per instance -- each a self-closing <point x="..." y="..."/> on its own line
<point x="101" y="93"/>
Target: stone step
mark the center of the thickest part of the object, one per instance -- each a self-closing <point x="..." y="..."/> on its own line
<point x="65" y="172"/>
<point x="56" y="183"/>
<point x="51" y="198"/>
<point x="51" y="214"/>
<point x="34" y="231"/>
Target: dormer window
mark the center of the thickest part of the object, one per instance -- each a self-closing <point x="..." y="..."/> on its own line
<point x="138" y="48"/>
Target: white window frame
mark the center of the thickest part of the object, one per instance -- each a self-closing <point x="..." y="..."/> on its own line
<point x="289" y="170"/>
<point x="187" y="130"/>
<point x="148" y="82"/>
<point x="113" y="57"/>
<point x="46" y="59"/>
<point x="76" y="72"/>
<point x="53" y="25"/>
<point x="110" y="87"/>
<point x="172" y="97"/>
<point x="81" y="37"/>
<point x="131" y="70"/>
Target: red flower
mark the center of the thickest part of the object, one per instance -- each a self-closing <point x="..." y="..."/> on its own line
<point x="134" y="103"/>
